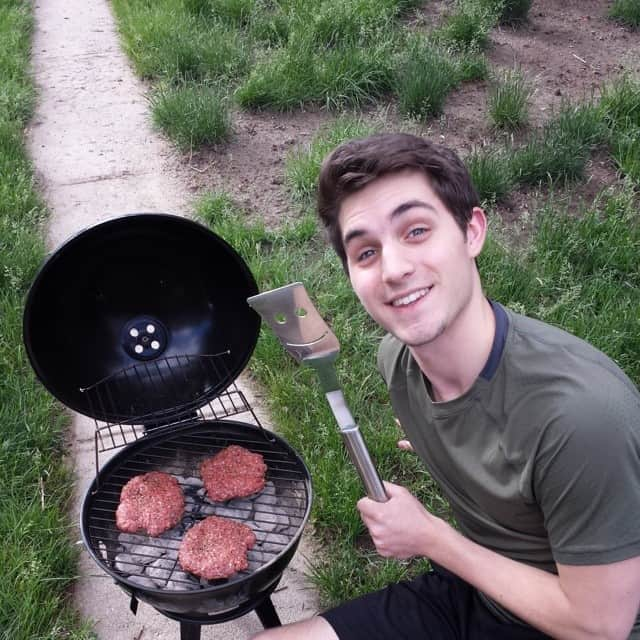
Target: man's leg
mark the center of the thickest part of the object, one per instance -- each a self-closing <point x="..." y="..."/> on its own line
<point x="315" y="628"/>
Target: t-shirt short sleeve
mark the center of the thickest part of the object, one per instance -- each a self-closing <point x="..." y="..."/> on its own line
<point x="587" y="478"/>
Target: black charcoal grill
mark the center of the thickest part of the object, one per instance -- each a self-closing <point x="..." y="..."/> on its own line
<point x="141" y="323"/>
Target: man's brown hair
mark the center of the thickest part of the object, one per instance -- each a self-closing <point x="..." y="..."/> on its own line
<point x="356" y="163"/>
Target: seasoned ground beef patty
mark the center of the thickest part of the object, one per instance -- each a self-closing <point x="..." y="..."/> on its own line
<point x="216" y="548"/>
<point x="234" y="472"/>
<point x="152" y="503"/>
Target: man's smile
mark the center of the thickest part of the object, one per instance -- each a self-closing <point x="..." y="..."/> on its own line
<point x="409" y="298"/>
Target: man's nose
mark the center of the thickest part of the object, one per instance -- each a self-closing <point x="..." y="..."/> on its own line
<point x="396" y="263"/>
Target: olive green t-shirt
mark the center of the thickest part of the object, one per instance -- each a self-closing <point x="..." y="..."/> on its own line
<point x="541" y="462"/>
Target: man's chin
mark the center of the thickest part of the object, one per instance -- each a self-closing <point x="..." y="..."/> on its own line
<point x="419" y="338"/>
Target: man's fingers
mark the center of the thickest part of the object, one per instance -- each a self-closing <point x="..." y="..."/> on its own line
<point x="405" y="444"/>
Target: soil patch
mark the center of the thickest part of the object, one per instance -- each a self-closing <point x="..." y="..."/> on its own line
<point x="567" y="50"/>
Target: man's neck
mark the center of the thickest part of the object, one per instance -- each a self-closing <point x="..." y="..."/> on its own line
<point x="453" y="361"/>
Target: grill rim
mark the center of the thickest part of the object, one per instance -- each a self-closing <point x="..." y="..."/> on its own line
<point x="256" y="582"/>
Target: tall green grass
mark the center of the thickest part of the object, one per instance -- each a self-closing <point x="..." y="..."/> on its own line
<point x="509" y="100"/>
<point x="469" y="24"/>
<point x="166" y="41"/>
<point x="336" y="54"/>
<point x="560" y="150"/>
<point x="37" y="557"/>
<point x="627" y="12"/>
<point x="491" y="174"/>
<point x="191" y="115"/>
<point x="513" y="12"/>
<point x="425" y="77"/>
<point x="303" y="163"/>
<point x="620" y="109"/>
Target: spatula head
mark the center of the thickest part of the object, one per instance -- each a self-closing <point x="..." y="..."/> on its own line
<point x="294" y="319"/>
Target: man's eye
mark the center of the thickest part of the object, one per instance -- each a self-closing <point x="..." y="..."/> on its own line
<point x="363" y="255"/>
<point x="418" y="231"/>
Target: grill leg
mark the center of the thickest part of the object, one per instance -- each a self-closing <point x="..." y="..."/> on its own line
<point x="190" y="631"/>
<point x="267" y="614"/>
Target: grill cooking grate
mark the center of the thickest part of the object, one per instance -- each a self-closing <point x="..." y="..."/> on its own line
<point x="156" y="395"/>
<point x="275" y="515"/>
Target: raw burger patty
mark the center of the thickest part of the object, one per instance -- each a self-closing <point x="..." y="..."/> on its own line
<point x="152" y="502"/>
<point x="216" y="548"/>
<point x="233" y="472"/>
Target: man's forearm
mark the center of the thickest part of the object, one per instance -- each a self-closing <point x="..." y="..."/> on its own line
<point x="533" y="595"/>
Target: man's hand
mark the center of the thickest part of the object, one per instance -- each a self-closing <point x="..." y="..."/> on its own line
<point x="401" y="527"/>
<point x="403" y="444"/>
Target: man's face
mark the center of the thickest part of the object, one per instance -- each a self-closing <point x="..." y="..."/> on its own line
<point x="410" y="264"/>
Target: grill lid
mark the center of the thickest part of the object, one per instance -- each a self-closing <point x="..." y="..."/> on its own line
<point x="140" y="289"/>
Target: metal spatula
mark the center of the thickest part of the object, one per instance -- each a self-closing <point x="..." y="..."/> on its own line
<point x="306" y="336"/>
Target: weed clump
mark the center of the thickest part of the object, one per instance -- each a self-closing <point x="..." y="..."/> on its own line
<point x="191" y="115"/>
<point x="509" y="100"/>
<point x="627" y="12"/>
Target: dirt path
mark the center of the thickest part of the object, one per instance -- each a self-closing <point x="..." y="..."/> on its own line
<point x="97" y="157"/>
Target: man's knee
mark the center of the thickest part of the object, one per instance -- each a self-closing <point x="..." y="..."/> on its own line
<point x="316" y="628"/>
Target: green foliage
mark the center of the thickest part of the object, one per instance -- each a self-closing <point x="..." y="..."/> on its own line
<point x="509" y="100"/>
<point x="620" y="104"/>
<point x="16" y="90"/>
<point x="627" y="12"/>
<point x="469" y="25"/>
<point x="470" y="64"/>
<point x="37" y="558"/>
<point x="348" y="76"/>
<point x="166" y="42"/>
<point x="234" y="12"/>
<point x="491" y="174"/>
<point x="514" y="12"/>
<point x="626" y="153"/>
<point x="191" y="115"/>
<point x="426" y="75"/>
<point x="561" y="150"/>
<point x="303" y="164"/>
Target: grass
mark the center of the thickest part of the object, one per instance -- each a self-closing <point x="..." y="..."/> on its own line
<point x="513" y="12"/>
<point x="292" y="54"/>
<point x="37" y="557"/>
<point x="560" y="150"/>
<point x="424" y="80"/>
<point x="191" y="115"/>
<point x="348" y="76"/>
<point x="508" y="100"/>
<point x="166" y="42"/>
<point x="491" y="174"/>
<point x="468" y="26"/>
<point x="303" y="164"/>
<point x="627" y="12"/>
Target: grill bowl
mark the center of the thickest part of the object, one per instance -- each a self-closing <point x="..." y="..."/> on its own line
<point x="180" y="452"/>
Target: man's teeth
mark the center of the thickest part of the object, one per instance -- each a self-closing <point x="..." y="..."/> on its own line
<point x="412" y="297"/>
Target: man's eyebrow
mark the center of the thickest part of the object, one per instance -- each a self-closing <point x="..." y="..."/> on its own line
<point x="400" y="209"/>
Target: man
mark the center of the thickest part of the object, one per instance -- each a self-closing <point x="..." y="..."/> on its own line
<point x="532" y="434"/>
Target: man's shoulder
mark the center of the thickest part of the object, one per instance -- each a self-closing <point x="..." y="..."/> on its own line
<point x="390" y="353"/>
<point x="529" y="338"/>
<point x="561" y="370"/>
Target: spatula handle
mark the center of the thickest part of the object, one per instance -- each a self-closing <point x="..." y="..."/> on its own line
<point x="362" y="461"/>
<point x="356" y="446"/>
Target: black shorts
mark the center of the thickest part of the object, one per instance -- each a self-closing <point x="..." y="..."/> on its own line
<point x="435" y="606"/>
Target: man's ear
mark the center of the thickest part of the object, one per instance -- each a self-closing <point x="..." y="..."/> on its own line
<point x="476" y="231"/>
